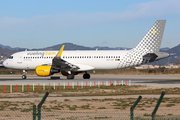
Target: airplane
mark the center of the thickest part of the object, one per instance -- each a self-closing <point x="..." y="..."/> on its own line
<point x="71" y="63"/>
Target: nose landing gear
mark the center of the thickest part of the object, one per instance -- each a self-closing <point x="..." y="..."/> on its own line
<point x="24" y="74"/>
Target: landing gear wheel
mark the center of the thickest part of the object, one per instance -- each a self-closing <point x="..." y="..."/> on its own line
<point x="70" y="76"/>
<point x="86" y="76"/>
<point x="24" y="74"/>
<point x="24" y="77"/>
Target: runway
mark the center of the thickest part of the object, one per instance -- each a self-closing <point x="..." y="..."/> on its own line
<point x="149" y="80"/>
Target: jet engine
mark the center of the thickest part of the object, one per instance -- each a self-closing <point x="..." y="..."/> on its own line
<point x="44" y="70"/>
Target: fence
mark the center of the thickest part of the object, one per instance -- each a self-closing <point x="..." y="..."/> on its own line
<point x="67" y="85"/>
<point x="66" y="115"/>
<point x="46" y="114"/>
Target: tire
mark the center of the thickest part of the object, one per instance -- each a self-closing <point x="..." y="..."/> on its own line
<point x="86" y="76"/>
<point x="24" y="77"/>
<point x="70" y="76"/>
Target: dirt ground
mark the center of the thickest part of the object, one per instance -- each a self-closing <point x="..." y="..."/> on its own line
<point x="22" y="103"/>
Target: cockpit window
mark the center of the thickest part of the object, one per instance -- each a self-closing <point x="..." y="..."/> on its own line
<point x="11" y="57"/>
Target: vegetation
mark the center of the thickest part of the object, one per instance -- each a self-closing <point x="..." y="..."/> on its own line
<point x="132" y="71"/>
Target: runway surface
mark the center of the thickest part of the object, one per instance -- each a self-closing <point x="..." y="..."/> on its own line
<point x="150" y="80"/>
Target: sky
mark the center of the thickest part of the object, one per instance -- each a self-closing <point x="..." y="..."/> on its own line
<point x="112" y="23"/>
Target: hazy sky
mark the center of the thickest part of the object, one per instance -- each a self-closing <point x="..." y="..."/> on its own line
<point x="112" y="23"/>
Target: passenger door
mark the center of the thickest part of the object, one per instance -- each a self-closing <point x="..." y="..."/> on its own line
<point x="19" y="60"/>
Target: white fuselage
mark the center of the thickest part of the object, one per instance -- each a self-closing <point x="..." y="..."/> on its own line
<point x="87" y="60"/>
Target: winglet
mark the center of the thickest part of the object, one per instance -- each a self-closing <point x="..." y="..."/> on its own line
<point x="60" y="51"/>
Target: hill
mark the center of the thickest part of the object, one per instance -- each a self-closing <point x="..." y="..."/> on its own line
<point x="68" y="46"/>
<point x="6" y="53"/>
<point x="174" y="56"/>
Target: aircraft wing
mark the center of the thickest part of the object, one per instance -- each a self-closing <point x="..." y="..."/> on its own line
<point x="62" y="64"/>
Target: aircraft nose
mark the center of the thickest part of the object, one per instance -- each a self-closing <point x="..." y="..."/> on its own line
<point x="5" y="63"/>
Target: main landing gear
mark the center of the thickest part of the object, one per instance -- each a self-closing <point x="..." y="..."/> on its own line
<point x="86" y="75"/>
<point x="70" y="76"/>
<point x="24" y="74"/>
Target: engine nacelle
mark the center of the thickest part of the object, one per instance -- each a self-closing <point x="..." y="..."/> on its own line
<point x="44" y="70"/>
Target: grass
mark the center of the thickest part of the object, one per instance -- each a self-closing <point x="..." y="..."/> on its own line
<point x="170" y="105"/>
<point x="102" y="117"/>
<point x="26" y="110"/>
<point x="85" y="106"/>
<point x="73" y="107"/>
<point x="147" y="114"/>
<point x="102" y="108"/>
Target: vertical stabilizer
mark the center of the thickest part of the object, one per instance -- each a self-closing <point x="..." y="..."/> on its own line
<point x="152" y="40"/>
<point x="148" y="46"/>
